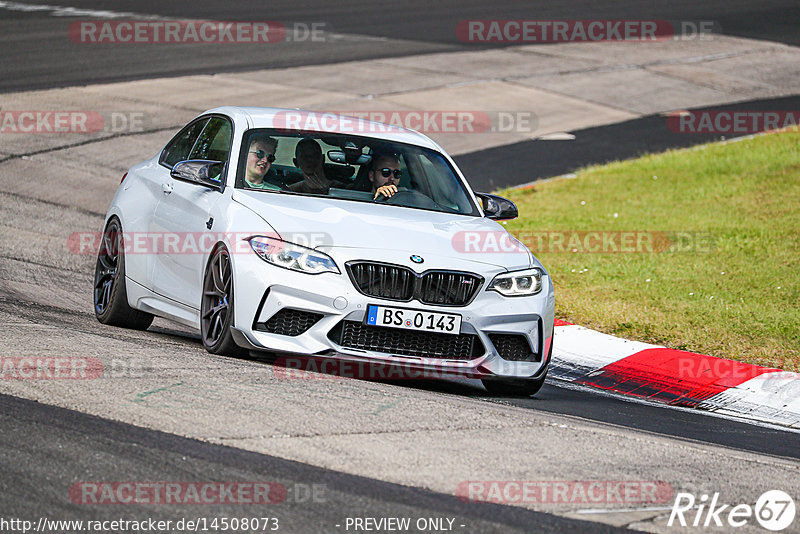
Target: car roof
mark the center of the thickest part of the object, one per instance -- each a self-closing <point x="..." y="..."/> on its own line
<point x="333" y="123"/>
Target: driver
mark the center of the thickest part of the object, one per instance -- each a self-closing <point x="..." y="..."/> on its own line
<point x="385" y="175"/>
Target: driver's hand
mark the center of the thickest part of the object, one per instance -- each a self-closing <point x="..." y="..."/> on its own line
<point x="385" y="190"/>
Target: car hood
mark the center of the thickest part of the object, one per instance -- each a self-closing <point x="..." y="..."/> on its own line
<point x="328" y="224"/>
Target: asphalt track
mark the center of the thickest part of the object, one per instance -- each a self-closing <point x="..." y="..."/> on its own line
<point x="528" y="161"/>
<point x="37" y="477"/>
<point x="562" y="398"/>
<point x="42" y="296"/>
<point x="37" y="53"/>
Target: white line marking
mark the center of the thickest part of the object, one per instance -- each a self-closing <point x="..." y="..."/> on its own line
<point x="68" y="11"/>
<point x="556" y="136"/>
<point x="618" y="510"/>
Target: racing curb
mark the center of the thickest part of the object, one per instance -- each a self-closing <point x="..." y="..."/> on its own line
<point x="675" y="377"/>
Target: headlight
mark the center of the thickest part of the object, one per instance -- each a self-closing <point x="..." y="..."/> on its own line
<point x="518" y="283"/>
<point x="291" y="256"/>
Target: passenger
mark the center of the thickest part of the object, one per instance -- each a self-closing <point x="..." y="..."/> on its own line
<point x="309" y="159"/>
<point x="385" y="176"/>
<point x="260" y="156"/>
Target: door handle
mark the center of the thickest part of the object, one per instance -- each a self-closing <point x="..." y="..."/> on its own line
<point x="166" y="188"/>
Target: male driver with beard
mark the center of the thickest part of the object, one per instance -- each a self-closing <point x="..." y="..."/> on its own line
<point x="385" y="174"/>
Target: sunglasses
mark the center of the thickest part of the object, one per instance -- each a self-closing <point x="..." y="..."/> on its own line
<point x="388" y="172"/>
<point x="261" y="154"/>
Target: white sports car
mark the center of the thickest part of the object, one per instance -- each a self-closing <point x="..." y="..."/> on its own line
<point x="326" y="236"/>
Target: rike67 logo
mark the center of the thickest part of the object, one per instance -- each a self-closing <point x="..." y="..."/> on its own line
<point x="774" y="510"/>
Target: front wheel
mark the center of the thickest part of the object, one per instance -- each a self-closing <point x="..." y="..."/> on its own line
<point x="110" y="295"/>
<point x="216" y="307"/>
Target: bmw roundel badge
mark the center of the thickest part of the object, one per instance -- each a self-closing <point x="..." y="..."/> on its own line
<point x="417" y="259"/>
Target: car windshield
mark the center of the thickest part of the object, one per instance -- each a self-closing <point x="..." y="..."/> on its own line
<point x="350" y="168"/>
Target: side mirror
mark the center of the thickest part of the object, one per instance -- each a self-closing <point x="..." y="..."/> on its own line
<point x="497" y="208"/>
<point x="200" y="171"/>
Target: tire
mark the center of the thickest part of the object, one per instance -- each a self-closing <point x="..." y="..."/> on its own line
<point x="110" y="296"/>
<point x="216" y="306"/>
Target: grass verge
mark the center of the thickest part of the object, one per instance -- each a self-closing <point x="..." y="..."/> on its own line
<point x="696" y="249"/>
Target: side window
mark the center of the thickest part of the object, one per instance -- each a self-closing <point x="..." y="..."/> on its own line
<point x="180" y="147"/>
<point x="442" y="184"/>
<point x="405" y="179"/>
<point x="214" y="142"/>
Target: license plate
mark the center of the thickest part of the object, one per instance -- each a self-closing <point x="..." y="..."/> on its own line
<point x="405" y="319"/>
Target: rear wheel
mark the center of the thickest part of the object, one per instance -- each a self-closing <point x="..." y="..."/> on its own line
<point x="110" y="295"/>
<point x="216" y="307"/>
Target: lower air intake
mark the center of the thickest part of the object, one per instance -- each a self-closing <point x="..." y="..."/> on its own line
<point x="356" y="335"/>
<point x="514" y="347"/>
<point x="289" y="322"/>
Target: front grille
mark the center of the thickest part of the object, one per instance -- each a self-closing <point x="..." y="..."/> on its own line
<point x="513" y="347"/>
<point x="390" y="282"/>
<point x="356" y="335"/>
<point x="289" y="322"/>
<point x="395" y="282"/>
<point x="448" y="288"/>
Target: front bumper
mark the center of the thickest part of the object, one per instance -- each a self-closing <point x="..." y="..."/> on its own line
<point x="263" y="290"/>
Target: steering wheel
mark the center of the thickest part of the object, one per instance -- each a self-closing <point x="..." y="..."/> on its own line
<point x="411" y="199"/>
